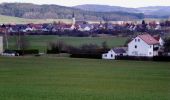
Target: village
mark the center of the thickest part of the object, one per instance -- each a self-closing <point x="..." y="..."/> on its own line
<point x="141" y="45"/>
<point x="84" y="50"/>
<point x="98" y="27"/>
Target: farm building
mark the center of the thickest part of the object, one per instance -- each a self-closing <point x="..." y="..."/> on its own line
<point x="1" y="44"/>
<point x="144" y="45"/>
<point x="114" y="52"/>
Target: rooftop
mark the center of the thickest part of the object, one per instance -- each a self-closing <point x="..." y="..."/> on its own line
<point x="148" y="39"/>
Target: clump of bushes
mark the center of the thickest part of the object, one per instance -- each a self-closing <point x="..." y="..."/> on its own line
<point x="57" y="47"/>
<point x="83" y="51"/>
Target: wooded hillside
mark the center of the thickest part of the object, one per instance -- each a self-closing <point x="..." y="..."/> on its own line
<point x="32" y="11"/>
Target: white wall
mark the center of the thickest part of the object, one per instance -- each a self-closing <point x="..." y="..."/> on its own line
<point x="110" y="55"/>
<point x="87" y="28"/>
<point x="143" y="49"/>
<point x="1" y="44"/>
<point x="161" y="41"/>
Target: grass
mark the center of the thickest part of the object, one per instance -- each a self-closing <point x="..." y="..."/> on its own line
<point x="45" y="78"/>
<point x="41" y="42"/>
<point x="16" y="20"/>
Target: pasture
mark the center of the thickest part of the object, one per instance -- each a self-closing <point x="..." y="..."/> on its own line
<point x="49" y="78"/>
<point x="41" y="41"/>
<point x="16" y="20"/>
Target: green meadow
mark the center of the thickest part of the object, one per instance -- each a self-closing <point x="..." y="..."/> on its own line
<point x="16" y="20"/>
<point x="41" y="42"/>
<point x="50" y="78"/>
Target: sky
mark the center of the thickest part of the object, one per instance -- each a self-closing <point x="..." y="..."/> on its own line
<point x="123" y="3"/>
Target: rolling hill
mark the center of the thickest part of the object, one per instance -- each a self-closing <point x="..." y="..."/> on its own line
<point x="157" y="11"/>
<point x="33" y="11"/>
<point x="27" y="13"/>
<point x="106" y="8"/>
<point x="149" y="12"/>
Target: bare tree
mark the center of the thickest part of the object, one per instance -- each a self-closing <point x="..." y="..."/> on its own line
<point x="57" y="46"/>
<point x="5" y="35"/>
<point x="22" y="43"/>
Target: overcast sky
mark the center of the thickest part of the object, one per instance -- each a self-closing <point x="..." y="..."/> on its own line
<point x="124" y="3"/>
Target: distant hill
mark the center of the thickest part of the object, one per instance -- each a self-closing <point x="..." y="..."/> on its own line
<point x="106" y="8"/>
<point x="157" y="11"/>
<point x="32" y="11"/>
<point x="149" y="12"/>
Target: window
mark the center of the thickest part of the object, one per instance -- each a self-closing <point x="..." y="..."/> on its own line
<point x="135" y="40"/>
<point x="111" y="55"/>
<point x="150" y="46"/>
<point x="138" y="40"/>
<point x="150" y="53"/>
<point x="105" y="55"/>
<point x="135" y="46"/>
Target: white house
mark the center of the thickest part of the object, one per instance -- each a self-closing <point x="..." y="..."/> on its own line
<point x="28" y="29"/>
<point x="1" y="44"/>
<point x="85" y="27"/>
<point x="114" y="52"/>
<point x="144" y="45"/>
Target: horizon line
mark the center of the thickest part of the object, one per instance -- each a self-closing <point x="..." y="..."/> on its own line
<point x="82" y="4"/>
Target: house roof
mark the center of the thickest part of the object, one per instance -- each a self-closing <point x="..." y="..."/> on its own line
<point x="157" y="37"/>
<point x="119" y="50"/>
<point x="85" y="25"/>
<point x="148" y="39"/>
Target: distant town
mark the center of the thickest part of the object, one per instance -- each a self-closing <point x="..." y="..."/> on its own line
<point x="143" y="37"/>
<point x="86" y="28"/>
<point x="150" y="36"/>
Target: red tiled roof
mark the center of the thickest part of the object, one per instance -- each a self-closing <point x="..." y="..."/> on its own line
<point x="148" y="39"/>
<point x="157" y="37"/>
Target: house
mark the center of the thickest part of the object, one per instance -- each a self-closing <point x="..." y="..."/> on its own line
<point x="28" y="29"/>
<point x="1" y="44"/>
<point x="158" y="38"/>
<point x="85" y="27"/>
<point x="67" y="27"/>
<point x="36" y="27"/>
<point x="115" y="52"/>
<point x="144" y="45"/>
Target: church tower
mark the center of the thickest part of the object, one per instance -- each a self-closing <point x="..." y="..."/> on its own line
<point x="73" y="21"/>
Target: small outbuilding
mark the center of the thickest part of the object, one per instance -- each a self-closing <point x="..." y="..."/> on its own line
<point x="122" y="51"/>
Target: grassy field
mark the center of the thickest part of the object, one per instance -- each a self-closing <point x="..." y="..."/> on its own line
<point x="17" y="20"/>
<point x="42" y="78"/>
<point x="41" y="42"/>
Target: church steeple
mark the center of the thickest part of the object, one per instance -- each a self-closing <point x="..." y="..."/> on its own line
<point x="73" y="21"/>
<point x="73" y="16"/>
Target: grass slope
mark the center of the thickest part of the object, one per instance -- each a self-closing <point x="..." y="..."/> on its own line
<point x="32" y="78"/>
<point x="41" y="42"/>
<point x="16" y="20"/>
